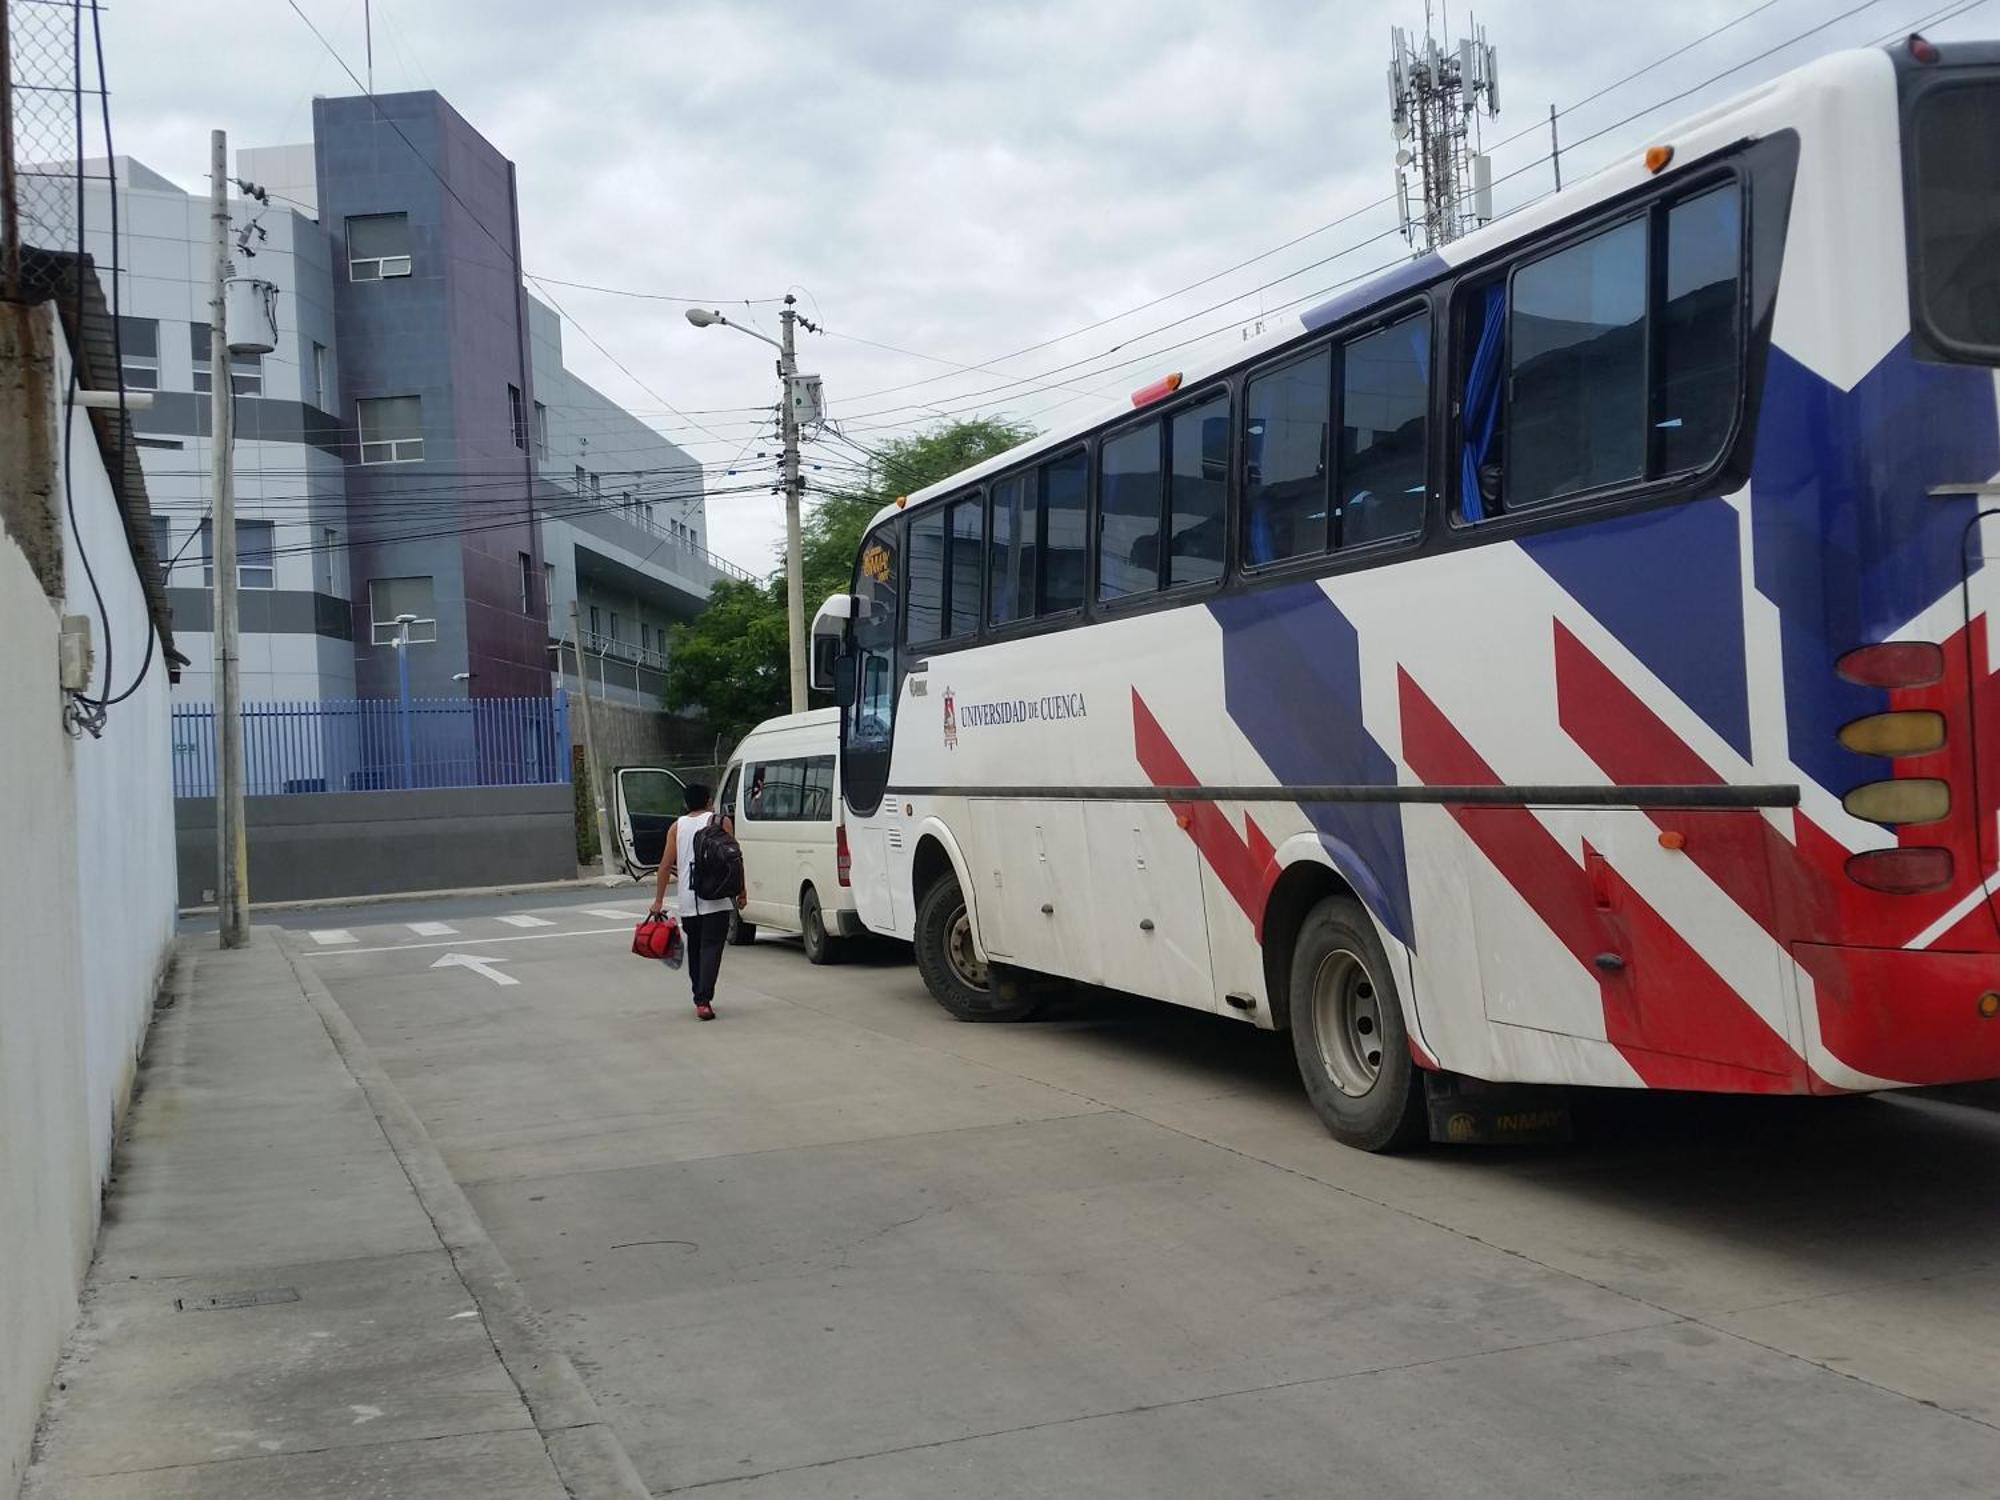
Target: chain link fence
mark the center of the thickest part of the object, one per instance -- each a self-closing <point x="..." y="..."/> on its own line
<point x="52" y="116"/>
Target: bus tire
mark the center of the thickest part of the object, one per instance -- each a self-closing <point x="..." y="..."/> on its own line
<point x="951" y="970"/>
<point x="820" y="948"/>
<point x="1348" y="1035"/>
<point x="741" y="933"/>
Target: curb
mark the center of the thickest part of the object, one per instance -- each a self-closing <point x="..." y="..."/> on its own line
<point x="586" y="1452"/>
<point x="381" y="898"/>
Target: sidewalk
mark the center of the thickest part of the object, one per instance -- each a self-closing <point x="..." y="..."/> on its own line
<point x="290" y="1296"/>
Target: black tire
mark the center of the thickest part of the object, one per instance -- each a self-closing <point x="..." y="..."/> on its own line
<point x="821" y="948"/>
<point x="951" y="972"/>
<point x="741" y="933"/>
<point x="1348" y="1036"/>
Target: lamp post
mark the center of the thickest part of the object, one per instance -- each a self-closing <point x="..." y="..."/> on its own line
<point x="788" y="369"/>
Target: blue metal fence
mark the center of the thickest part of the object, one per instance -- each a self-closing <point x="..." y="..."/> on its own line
<point x="369" y="745"/>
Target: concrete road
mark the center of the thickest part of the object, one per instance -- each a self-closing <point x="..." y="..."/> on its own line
<point x="835" y="1244"/>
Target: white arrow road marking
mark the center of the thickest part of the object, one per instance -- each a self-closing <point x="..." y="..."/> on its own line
<point x="331" y="935"/>
<point x="431" y="929"/>
<point x="478" y="965"/>
<point x="521" y="919"/>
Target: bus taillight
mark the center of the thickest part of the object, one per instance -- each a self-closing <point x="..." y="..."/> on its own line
<point x="1901" y="872"/>
<point x="1894" y="664"/>
<point x="843" y="862"/>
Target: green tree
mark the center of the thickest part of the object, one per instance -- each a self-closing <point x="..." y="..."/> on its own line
<point x="728" y="664"/>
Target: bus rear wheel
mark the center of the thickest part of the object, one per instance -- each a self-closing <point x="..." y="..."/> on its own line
<point x="1348" y="1035"/>
<point x="958" y="979"/>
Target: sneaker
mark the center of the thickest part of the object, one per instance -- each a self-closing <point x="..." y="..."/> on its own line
<point x="704" y="1012"/>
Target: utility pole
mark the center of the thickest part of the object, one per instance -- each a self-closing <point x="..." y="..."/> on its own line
<point x="232" y="890"/>
<point x="795" y="583"/>
<point x="590" y="746"/>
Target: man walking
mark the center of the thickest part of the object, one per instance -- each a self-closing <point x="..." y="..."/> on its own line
<point x="704" y="919"/>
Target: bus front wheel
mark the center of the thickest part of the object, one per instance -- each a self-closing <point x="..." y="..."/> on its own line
<point x="1348" y="1035"/>
<point x="958" y="979"/>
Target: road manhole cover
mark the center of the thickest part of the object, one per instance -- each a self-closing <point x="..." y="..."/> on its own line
<point x="225" y="1301"/>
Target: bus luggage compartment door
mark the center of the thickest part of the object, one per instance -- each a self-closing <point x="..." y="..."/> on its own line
<point x="1150" y="926"/>
<point x="1043" y="859"/>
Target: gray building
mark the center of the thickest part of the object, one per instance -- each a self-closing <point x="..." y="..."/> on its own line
<point x="414" y="444"/>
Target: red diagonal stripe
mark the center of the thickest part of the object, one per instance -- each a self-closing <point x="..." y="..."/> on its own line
<point x="1671" y="1016"/>
<point x="1244" y="862"/>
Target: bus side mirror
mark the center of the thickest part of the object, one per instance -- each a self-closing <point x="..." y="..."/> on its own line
<point x="829" y="642"/>
<point x="826" y="654"/>
<point x="843" y="680"/>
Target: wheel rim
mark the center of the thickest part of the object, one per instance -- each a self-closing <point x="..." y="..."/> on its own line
<point x="958" y="950"/>
<point x="1347" y="1023"/>
<point x="814" y="929"/>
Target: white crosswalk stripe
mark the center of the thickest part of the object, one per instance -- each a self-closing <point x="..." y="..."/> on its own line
<point x="522" y="919"/>
<point x="328" y="936"/>
<point x="612" y="914"/>
<point x="431" y="929"/>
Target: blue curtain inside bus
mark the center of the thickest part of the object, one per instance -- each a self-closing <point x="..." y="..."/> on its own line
<point x="1482" y="400"/>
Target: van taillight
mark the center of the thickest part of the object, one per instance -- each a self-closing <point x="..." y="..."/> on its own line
<point x="843" y="862"/>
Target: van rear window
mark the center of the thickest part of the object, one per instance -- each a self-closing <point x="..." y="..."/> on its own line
<point x="1955" y="216"/>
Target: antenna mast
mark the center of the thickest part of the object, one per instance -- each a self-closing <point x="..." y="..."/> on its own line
<point x="1437" y="94"/>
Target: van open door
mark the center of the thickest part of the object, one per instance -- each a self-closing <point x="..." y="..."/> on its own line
<point x="645" y="802"/>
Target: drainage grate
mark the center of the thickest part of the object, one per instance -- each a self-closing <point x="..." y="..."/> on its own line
<point x="225" y="1301"/>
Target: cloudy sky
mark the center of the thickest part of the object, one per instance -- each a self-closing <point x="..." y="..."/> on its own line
<point x="959" y="182"/>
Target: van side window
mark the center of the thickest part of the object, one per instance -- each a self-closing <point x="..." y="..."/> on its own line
<point x="796" y="790"/>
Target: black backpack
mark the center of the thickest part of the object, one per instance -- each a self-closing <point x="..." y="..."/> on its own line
<point x="716" y="872"/>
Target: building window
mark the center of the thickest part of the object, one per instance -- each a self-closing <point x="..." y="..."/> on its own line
<point x="320" y="396"/>
<point x="517" y="414"/>
<point x="246" y="371"/>
<point x="596" y="625"/>
<point x="614" y="626"/>
<point x="163" y="546"/>
<point x="392" y="429"/>
<point x="597" y="486"/>
<point x="255" y="566"/>
<point x="549" y="586"/>
<point x="390" y="597"/>
<point x="326" y="559"/>
<point x="580" y="481"/>
<point x="541" y="431"/>
<point x="527" y="584"/>
<point x="378" y="245"/>
<point x="139" y="353"/>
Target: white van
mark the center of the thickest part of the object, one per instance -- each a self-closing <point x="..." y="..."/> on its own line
<point x="783" y="789"/>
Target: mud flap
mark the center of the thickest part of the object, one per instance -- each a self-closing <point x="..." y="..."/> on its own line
<point x="1472" y="1112"/>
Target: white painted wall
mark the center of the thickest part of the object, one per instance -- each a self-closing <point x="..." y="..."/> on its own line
<point x="89" y="825"/>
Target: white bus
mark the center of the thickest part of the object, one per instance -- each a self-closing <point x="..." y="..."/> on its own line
<point x="1562" y="660"/>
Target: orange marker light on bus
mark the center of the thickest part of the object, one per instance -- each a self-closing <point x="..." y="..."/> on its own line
<point x="1673" y="838"/>
<point x="1166" y="385"/>
<point x="1657" y="158"/>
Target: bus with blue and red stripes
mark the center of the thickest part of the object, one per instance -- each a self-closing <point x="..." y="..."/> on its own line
<point x="1565" y="659"/>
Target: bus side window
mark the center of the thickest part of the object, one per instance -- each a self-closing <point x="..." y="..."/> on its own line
<point x="925" y="616"/>
<point x="1481" y="425"/>
<point x="1285" y="459"/>
<point x="1128" y="513"/>
<point x="1065" y="532"/>
<point x="1010" y="554"/>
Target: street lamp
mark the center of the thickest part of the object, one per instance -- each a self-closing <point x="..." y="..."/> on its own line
<point x="788" y="369"/>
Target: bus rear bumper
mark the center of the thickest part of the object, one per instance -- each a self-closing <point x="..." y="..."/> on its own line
<point x="1913" y="1016"/>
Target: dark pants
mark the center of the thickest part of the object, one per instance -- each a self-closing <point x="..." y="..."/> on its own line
<point x="704" y="937"/>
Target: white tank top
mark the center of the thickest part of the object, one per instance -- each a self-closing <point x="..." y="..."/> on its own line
<point x="691" y="905"/>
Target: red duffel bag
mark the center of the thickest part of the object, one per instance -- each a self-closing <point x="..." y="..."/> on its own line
<point x="658" y="938"/>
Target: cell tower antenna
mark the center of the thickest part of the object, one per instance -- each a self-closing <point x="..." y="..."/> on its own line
<point x="1437" y="95"/>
